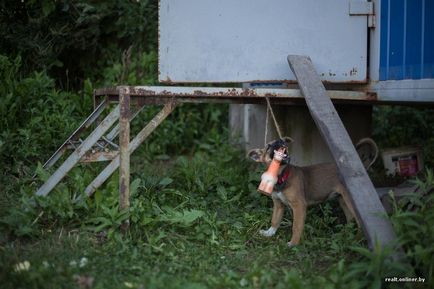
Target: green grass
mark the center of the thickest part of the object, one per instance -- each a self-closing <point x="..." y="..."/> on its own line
<point x="194" y="224"/>
<point x="171" y="262"/>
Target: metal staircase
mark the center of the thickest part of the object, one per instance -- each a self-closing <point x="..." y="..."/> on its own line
<point x="99" y="145"/>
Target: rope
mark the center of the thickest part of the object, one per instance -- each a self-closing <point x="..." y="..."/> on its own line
<point x="269" y="108"/>
<point x="266" y="127"/>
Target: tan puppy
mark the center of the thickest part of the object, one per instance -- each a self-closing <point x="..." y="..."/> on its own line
<point x="299" y="187"/>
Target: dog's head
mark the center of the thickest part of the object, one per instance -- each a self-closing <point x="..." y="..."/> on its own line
<point x="266" y="154"/>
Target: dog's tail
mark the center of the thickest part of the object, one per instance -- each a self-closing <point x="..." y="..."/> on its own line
<point x="368" y="151"/>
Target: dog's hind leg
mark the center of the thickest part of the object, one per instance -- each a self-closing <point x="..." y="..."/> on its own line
<point x="348" y="215"/>
<point x="347" y="206"/>
<point x="278" y="210"/>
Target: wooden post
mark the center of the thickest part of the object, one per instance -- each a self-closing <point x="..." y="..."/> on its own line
<point x="124" y="140"/>
<point x="365" y="200"/>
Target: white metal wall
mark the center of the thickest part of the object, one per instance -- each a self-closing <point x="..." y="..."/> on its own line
<point x="249" y="40"/>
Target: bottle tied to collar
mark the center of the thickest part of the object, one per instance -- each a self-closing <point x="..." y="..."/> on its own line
<point x="269" y="178"/>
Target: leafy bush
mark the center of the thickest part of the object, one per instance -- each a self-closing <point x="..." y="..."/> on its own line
<point x="71" y="39"/>
<point x="33" y="114"/>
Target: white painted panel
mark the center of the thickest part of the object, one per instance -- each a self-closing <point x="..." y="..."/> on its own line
<point x="249" y="40"/>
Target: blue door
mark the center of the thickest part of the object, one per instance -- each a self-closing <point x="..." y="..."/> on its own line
<point x="407" y="39"/>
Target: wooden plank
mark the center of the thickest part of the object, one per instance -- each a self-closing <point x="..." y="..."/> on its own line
<point x="363" y="195"/>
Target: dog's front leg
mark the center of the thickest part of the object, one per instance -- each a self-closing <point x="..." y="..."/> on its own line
<point x="278" y="209"/>
<point x="299" y="216"/>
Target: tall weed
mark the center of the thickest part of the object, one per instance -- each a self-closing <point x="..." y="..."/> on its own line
<point x="413" y="219"/>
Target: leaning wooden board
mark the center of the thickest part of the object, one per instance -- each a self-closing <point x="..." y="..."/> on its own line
<point x="363" y="195"/>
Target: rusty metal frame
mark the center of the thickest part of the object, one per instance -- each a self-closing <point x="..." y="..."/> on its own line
<point x="126" y="96"/>
<point x="143" y="95"/>
<point x="161" y="94"/>
<point x="124" y="154"/>
<point x="362" y="94"/>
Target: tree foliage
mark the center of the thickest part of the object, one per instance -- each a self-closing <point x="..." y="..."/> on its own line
<point x="72" y="39"/>
<point x="33" y="116"/>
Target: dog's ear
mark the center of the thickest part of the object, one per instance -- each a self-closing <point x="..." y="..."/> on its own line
<point x="256" y="154"/>
<point x="288" y="139"/>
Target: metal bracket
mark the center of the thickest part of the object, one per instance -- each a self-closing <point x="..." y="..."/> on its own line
<point x="99" y="156"/>
<point x="363" y="8"/>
